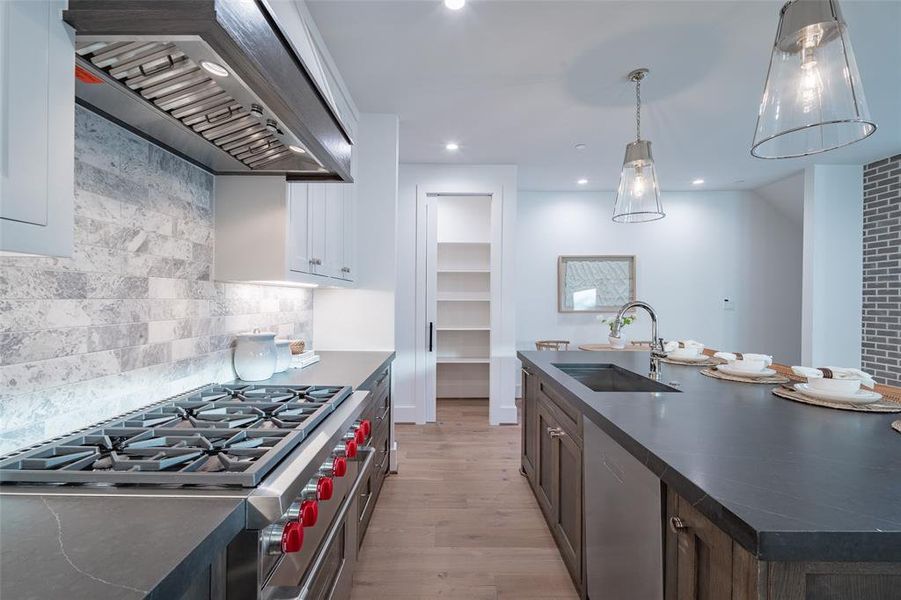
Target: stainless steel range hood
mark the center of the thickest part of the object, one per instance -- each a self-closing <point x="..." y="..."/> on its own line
<point x="212" y="80"/>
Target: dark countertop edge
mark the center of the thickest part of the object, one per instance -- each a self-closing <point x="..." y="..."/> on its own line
<point x="764" y="545"/>
<point x="173" y="584"/>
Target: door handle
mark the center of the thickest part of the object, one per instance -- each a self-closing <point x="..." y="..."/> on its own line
<point x="431" y="335"/>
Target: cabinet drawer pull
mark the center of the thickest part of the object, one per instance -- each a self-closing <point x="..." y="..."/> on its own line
<point x="677" y="524"/>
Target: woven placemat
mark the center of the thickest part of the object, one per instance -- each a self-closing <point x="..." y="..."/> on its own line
<point x="883" y="406"/>
<point x="685" y="363"/>
<point x="897" y="426"/>
<point x="771" y="379"/>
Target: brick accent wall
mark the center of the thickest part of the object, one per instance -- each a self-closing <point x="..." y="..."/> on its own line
<point x="882" y="270"/>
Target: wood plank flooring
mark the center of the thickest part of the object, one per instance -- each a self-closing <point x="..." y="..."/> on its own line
<point x="458" y="521"/>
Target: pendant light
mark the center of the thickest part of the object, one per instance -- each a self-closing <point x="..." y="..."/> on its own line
<point x="638" y="195"/>
<point x="813" y="100"/>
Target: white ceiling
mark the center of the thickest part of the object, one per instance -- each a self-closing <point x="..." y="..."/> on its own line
<point x="523" y="82"/>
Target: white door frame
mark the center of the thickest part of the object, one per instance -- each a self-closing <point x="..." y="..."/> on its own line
<point x="425" y="310"/>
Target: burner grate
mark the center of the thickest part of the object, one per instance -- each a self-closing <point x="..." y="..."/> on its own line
<point x="218" y="435"/>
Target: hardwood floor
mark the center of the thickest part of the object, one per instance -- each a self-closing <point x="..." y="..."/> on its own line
<point x="458" y="520"/>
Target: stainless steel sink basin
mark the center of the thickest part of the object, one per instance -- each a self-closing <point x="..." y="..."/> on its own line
<point x="601" y="377"/>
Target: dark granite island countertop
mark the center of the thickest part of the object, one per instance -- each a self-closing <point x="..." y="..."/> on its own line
<point x="788" y="481"/>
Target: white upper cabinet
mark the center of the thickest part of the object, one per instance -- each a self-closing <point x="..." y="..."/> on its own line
<point x="271" y="231"/>
<point x="299" y="207"/>
<point x="37" y="128"/>
<point x="334" y="229"/>
<point x="350" y="234"/>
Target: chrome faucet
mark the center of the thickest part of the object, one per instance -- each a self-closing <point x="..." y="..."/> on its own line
<point x="657" y="351"/>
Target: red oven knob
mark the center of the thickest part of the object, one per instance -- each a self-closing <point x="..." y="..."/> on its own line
<point x="324" y="488"/>
<point x="309" y="513"/>
<point x="339" y="466"/>
<point x="366" y="426"/>
<point x="360" y="436"/>
<point x="350" y="448"/>
<point x="292" y="537"/>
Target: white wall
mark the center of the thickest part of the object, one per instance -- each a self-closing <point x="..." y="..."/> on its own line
<point x="363" y="318"/>
<point x="833" y="265"/>
<point x="710" y="246"/>
<point x="410" y="406"/>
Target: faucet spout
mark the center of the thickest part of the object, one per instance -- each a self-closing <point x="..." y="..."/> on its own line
<point x="657" y="351"/>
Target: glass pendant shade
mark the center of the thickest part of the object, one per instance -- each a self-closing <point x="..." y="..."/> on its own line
<point x="638" y="195"/>
<point x="813" y="100"/>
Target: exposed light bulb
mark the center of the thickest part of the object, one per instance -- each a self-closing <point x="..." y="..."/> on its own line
<point x="582" y="181"/>
<point x="452" y="146"/>
<point x="455" y="4"/>
<point x="638" y="184"/>
<point x="697" y="181"/>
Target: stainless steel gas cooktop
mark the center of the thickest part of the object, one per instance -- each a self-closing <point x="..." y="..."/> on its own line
<point x="217" y="435"/>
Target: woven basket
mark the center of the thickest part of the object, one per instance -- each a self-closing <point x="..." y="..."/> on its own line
<point x="298" y="347"/>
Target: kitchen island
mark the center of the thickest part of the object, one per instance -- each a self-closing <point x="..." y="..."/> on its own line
<point x="99" y="541"/>
<point x="806" y="498"/>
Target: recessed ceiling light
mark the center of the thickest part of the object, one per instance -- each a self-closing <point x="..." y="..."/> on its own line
<point x="582" y="181"/>
<point x="297" y="149"/>
<point x="580" y="147"/>
<point x="455" y="4"/>
<point x="697" y="181"/>
<point x="214" y="68"/>
<point x="452" y="146"/>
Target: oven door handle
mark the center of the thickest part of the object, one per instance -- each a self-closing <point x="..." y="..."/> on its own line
<point x="304" y="589"/>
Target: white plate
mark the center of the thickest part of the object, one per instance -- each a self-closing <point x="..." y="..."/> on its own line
<point x="859" y="397"/>
<point x="689" y="359"/>
<point x="744" y="373"/>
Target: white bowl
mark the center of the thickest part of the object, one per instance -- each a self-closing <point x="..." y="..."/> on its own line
<point x="685" y="352"/>
<point x="840" y="386"/>
<point x="749" y="365"/>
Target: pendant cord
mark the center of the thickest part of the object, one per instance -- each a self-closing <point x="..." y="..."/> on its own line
<point x="638" y="110"/>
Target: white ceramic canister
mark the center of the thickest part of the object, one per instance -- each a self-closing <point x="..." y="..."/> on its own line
<point x="283" y="355"/>
<point x="255" y="355"/>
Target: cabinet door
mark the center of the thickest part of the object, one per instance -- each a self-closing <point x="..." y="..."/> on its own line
<point x="317" y="227"/>
<point x="350" y="231"/>
<point x="333" y="260"/>
<point x="299" y="218"/>
<point x="37" y="128"/>
<point x="698" y="555"/>
<point x="545" y="475"/>
<point x="567" y="525"/>
<point x="529" y="418"/>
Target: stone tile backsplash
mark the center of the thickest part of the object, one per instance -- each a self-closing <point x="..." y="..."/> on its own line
<point x="881" y="353"/>
<point x="133" y="316"/>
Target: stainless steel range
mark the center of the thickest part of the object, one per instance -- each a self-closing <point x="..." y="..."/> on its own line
<point x="299" y="454"/>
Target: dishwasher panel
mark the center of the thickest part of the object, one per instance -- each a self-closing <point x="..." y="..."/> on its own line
<point x="623" y="522"/>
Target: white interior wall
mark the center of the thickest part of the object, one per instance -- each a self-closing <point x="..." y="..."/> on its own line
<point x="363" y="318"/>
<point x="833" y="265"/>
<point x="711" y="246"/>
<point x="454" y="179"/>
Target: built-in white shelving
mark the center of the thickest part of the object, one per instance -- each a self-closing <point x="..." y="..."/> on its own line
<point x="463" y="296"/>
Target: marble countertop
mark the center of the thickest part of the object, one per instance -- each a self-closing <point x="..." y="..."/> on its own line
<point x="131" y="542"/>
<point x="788" y="481"/>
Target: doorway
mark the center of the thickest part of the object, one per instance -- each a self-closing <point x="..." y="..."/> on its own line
<point x="455" y="287"/>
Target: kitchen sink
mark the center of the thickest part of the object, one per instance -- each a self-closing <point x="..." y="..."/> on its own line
<point x="601" y="377"/>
